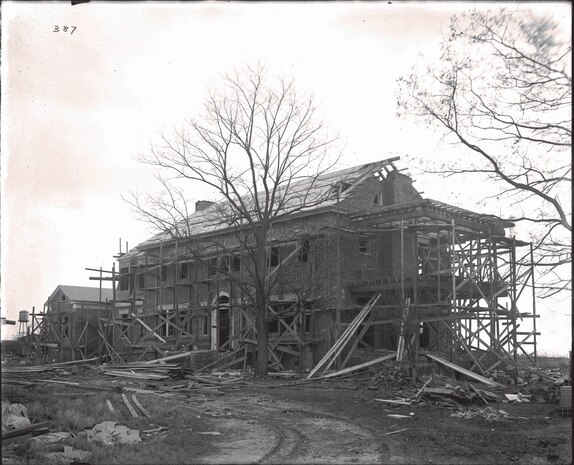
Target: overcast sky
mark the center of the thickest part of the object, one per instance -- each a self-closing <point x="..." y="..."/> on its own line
<point x="77" y="107"/>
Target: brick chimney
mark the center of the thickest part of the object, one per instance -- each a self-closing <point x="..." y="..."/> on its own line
<point x="398" y="188"/>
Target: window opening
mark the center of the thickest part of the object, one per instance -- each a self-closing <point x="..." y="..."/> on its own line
<point x="183" y="267"/>
<point x="212" y="269"/>
<point x="304" y="252"/>
<point x="235" y="263"/>
<point x="273" y="257"/>
<point x="124" y="278"/>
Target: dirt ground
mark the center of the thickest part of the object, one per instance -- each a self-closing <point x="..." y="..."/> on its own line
<point x="329" y="425"/>
<point x="342" y="423"/>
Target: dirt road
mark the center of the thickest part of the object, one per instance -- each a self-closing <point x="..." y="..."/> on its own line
<point x="256" y="428"/>
<point x="322" y="425"/>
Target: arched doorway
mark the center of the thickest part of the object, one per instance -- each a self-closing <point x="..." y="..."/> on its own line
<point x="220" y="323"/>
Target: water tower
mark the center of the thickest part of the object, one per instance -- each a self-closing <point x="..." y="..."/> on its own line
<point x="23" y="318"/>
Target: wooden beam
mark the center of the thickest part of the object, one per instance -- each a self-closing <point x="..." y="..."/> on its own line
<point x="464" y="371"/>
<point x="129" y="406"/>
<point x="153" y="333"/>
<point x="171" y="357"/>
<point x="333" y="353"/>
<point x="285" y="260"/>
<point x="361" y="366"/>
<point x="140" y="406"/>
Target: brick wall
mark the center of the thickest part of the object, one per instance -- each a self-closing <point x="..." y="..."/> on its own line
<point x="335" y="258"/>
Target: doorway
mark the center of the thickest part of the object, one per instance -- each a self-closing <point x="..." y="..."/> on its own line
<point x="221" y="323"/>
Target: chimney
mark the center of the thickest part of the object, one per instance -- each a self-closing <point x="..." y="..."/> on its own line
<point x="202" y="205"/>
<point x="398" y="188"/>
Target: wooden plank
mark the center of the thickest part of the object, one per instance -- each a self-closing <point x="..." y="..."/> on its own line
<point x="110" y="406"/>
<point x="330" y="356"/>
<point x="285" y="260"/>
<point x="394" y="432"/>
<point x="464" y="371"/>
<point x="153" y="333"/>
<point x="359" y="367"/>
<point x="171" y="357"/>
<point x="478" y="392"/>
<point x="420" y="391"/>
<point x="25" y="429"/>
<point x="129" y="406"/>
<point x="78" y="386"/>
<point x="210" y="365"/>
<point x="397" y="402"/>
<point x="76" y="362"/>
<point x="140" y="406"/>
<point x="231" y="363"/>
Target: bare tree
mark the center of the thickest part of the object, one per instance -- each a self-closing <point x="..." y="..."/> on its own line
<point x="503" y="89"/>
<point x="260" y="148"/>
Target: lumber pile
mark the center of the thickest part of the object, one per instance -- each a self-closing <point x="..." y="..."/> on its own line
<point x="443" y="392"/>
<point x="215" y="383"/>
<point x="145" y="371"/>
<point x="25" y="371"/>
<point x="24" y="375"/>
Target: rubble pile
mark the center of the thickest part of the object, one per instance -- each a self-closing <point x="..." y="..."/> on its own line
<point x="14" y="416"/>
<point x="391" y="377"/>
<point x="488" y="414"/>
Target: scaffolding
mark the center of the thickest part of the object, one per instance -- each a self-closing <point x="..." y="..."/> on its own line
<point x="448" y="281"/>
<point x="457" y="289"/>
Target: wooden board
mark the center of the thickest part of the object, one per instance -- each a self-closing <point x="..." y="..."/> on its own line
<point x="464" y="371"/>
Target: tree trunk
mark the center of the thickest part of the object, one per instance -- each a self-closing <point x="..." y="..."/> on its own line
<point x="262" y="360"/>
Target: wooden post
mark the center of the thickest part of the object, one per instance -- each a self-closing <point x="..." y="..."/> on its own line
<point x="534" y="301"/>
<point x="403" y="336"/>
<point x="513" y="305"/>
<point x="453" y="351"/>
<point x="100" y="312"/>
<point x="338" y="283"/>
<point x="175" y="304"/>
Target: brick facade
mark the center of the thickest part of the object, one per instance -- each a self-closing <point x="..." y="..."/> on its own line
<point x="339" y="256"/>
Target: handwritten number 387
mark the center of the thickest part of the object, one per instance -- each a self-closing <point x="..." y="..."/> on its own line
<point x="64" y="29"/>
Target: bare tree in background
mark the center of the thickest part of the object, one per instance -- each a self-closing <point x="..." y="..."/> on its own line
<point x="503" y="89"/>
<point x="260" y="148"/>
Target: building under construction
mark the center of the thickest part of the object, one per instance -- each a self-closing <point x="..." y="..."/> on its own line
<point x="372" y="269"/>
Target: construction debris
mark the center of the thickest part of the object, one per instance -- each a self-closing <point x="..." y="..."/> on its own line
<point x="110" y="433"/>
<point x="396" y="415"/>
<point x="488" y="414"/>
<point x="439" y="391"/>
<point x="26" y="430"/>
<point x="68" y="455"/>
<point x="517" y="397"/>
<point x="50" y="438"/>
<point x="394" y="432"/>
<point x="464" y="371"/>
<point x="145" y="371"/>
<point x="14" y="416"/>
<point x="129" y="406"/>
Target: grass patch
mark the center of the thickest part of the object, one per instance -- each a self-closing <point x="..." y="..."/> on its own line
<point x="179" y="444"/>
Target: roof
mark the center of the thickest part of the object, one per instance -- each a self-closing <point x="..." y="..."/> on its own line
<point x="84" y="293"/>
<point x="429" y="205"/>
<point x="325" y="191"/>
<point x="306" y="194"/>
